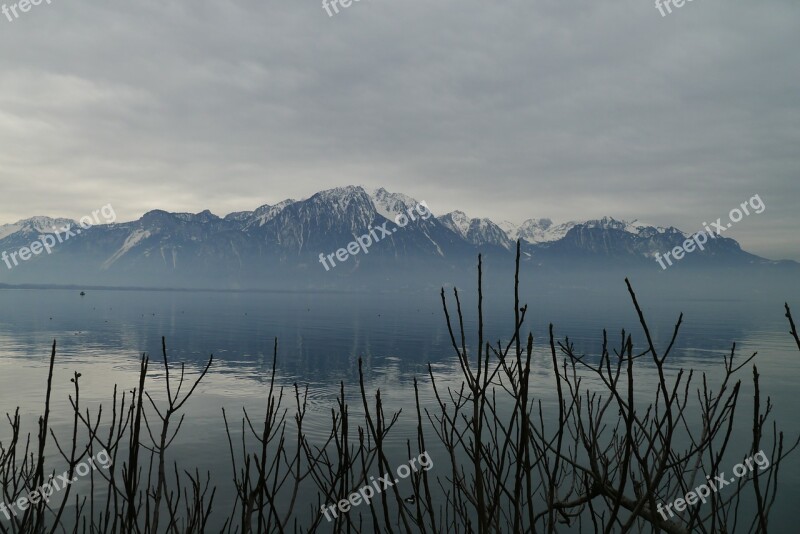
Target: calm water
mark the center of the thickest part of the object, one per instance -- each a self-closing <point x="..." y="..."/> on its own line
<point x="321" y="337"/>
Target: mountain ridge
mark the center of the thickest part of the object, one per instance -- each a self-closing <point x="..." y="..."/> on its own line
<point x="281" y="242"/>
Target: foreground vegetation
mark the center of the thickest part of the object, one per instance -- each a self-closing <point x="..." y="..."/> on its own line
<point x="601" y="460"/>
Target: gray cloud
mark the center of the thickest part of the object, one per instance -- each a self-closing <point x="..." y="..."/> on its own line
<point x="508" y="110"/>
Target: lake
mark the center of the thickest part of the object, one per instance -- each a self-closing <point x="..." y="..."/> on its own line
<point x="321" y="336"/>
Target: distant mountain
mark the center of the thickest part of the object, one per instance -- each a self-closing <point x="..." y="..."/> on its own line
<point x="477" y="231"/>
<point x="33" y="226"/>
<point x="279" y="246"/>
<point x="537" y="230"/>
<point x="259" y="217"/>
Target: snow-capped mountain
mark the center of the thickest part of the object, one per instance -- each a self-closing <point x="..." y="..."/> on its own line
<point x="279" y="245"/>
<point x="391" y="204"/>
<point x="266" y="213"/>
<point x="34" y="225"/>
<point x="476" y="231"/>
<point x="537" y="230"/>
<point x="458" y="222"/>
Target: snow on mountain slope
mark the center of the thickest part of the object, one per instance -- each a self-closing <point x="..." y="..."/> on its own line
<point x="476" y="231"/>
<point x="285" y="239"/>
<point x="266" y="213"/>
<point x="638" y="227"/>
<point x="485" y="232"/>
<point x="132" y="240"/>
<point x="541" y="231"/>
<point x="391" y="204"/>
<point x="457" y="221"/>
<point x="509" y="228"/>
<point x="35" y="225"/>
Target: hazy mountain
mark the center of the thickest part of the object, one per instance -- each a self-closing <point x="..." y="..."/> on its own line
<point x="537" y="230"/>
<point x="279" y="246"/>
<point x="33" y="227"/>
<point x="477" y="231"/>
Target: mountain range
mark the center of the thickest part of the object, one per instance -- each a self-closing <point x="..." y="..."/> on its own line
<point x="278" y="247"/>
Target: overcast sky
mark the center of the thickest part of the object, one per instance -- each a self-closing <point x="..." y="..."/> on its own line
<point x="568" y="109"/>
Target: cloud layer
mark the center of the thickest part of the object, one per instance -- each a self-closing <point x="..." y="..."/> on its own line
<point x="508" y="110"/>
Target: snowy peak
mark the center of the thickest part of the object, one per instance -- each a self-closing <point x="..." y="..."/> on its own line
<point x="457" y="221"/>
<point x="607" y="223"/>
<point x="634" y="227"/>
<point x="341" y="198"/>
<point x="509" y="228"/>
<point x="476" y="231"/>
<point x="647" y="230"/>
<point x="258" y="217"/>
<point x="305" y="226"/>
<point x="238" y="216"/>
<point x="541" y="231"/>
<point x="283" y="242"/>
<point x="351" y="202"/>
<point x="266" y="213"/>
<point x="43" y="224"/>
<point x="535" y="231"/>
<point x="485" y="232"/>
<point x="391" y="204"/>
<point x="35" y="226"/>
